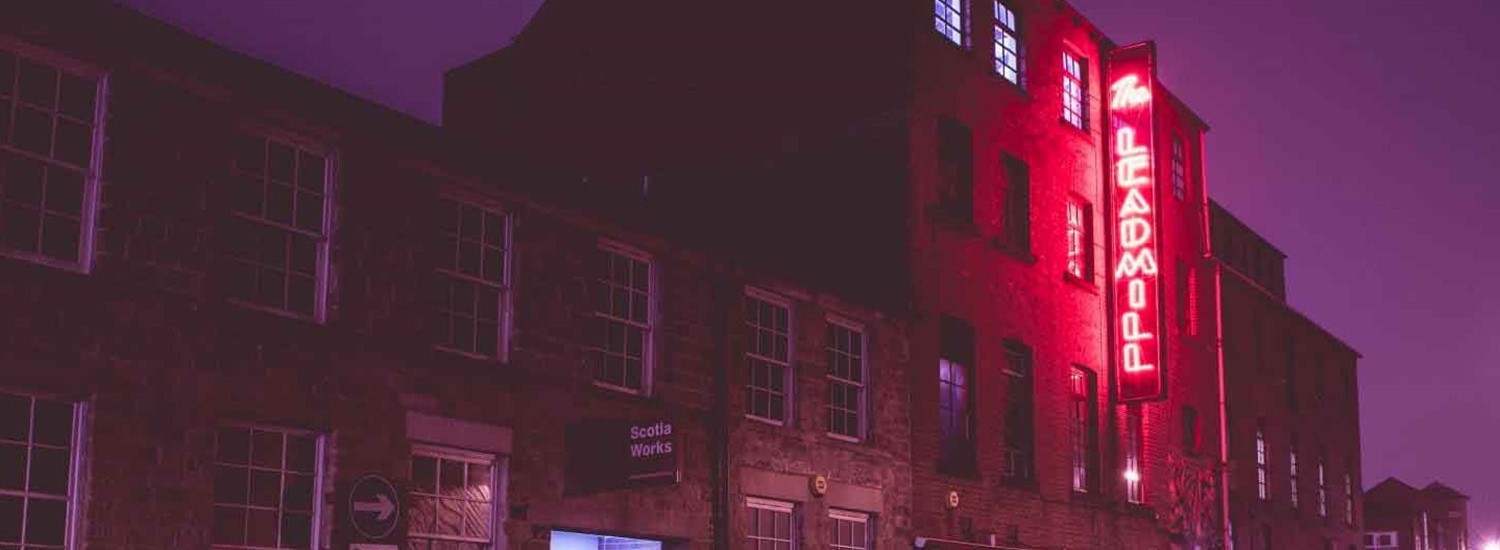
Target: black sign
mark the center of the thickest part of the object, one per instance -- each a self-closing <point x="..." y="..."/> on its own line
<point x="374" y="507"/>
<point x="614" y="454"/>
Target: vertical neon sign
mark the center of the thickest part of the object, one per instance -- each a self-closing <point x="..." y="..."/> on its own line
<point x="1137" y="287"/>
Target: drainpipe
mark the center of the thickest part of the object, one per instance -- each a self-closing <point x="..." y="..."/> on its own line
<point x="719" y="420"/>
<point x="1208" y="254"/>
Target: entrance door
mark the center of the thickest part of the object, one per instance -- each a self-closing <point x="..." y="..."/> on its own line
<point x="565" y="540"/>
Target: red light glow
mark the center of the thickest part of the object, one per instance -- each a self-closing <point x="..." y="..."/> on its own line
<point x="1137" y="287"/>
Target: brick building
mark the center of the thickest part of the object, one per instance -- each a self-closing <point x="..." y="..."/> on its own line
<point x="1401" y="517"/>
<point x="231" y="293"/>
<point x="976" y="134"/>
<point x="1293" y="404"/>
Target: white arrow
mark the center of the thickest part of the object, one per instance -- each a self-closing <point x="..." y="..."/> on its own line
<point x="383" y="507"/>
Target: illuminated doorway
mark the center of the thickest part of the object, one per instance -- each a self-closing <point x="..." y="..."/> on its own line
<point x="564" y="540"/>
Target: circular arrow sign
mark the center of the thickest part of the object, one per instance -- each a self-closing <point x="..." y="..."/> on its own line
<point x="374" y="506"/>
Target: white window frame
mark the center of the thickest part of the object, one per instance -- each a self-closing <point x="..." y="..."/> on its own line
<point x="1008" y="30"/>
<point x="942" y="10"/>
<point x="89" y="209"/>
<point x="776" y="506"/>
<point x="1322" y="491"/>
<point x="77" y="455"/>
<point x="1135" y="489"/>
<point x="320" y="471"/>
<point x="1075" y="103"/>
<point x="1179" y="167"/>
<point x="1296" y="500"/>
<point x="836" y="515"/>
<point x="460" y="455"/>
<point x="505" y="287"/>
<point x="1348" y="498"/>
<point x="1262" y="468"/>
<point x="789" y="374"/>
<point x="325" y="240"/>
<point x="862" y="408"/>
<point x="648" y="347"/>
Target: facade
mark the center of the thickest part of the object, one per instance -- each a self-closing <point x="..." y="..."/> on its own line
<point x="232" y="294"/>
<point x="944" y="282"/>
<point x="978" y="134"/>
<point x="1401" y="517"/>
<point x="1293" y="404"/>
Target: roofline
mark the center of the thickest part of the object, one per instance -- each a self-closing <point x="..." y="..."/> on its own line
<point x="1288" y="307"/>
<point x="1250" y="228"/>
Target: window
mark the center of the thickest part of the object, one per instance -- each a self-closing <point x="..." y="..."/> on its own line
<point x="50" y="131"/>
<point x="1017" y="203"/>
<point x="1292" y="472"/>
<point x="955" y="170"/>
<point x="278" y="235"/>
<point x="769" y="356"/>
<point x="770" y="526"/>
<point x="1322" y="490"/>
<point x="1085" y="429"/>
<point x="622" y="318"/>
<point x="851" y="530"/>
<point x="955" y="410"/>
<point x="452" y="502"/>
<point x="1320" y="373"/>
<point x="1191" y="434"/>
<point x="1080" y="239"/>
<point x="472" y="283"/>
<point x="846" y="380"/>
<point x="1383" y="540"/>
<point x="1075" y="89"/>
<point x="1265" y="537"/>
<point x="952" y="20"/>
<point x="1183" y="311"/>
<point x="1349" y="493"/>
<point x="1019" y="445"/>
<point x="1262" y="475"/>
<point x="267" y="488"/>
<point x="38" y="490"/>
<point x="1134" y="451"/>
<point x="1007" y="44"/>
<point x="1179" y="168"/>
<point x="1291" y="373"/>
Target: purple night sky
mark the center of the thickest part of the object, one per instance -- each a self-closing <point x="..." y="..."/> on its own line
<point x="1361" y="138"/>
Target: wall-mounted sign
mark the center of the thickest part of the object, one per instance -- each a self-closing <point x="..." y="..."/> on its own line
<point x="614" y="454"/>
<point x="374" y="507"/>
<point x="1137" y="285"/>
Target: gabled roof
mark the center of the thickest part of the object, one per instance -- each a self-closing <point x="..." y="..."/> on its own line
<point x="1438" y="490"/>
<point x="1391" y="490"/>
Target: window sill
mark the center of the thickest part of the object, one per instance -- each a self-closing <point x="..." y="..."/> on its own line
<point x="1028" y="485"/>
<point x="766" y="421"/>
<point x="467" y="354"/>
<point x="76" y="268"/>
<point x="619" y="389"/>
<point x="1083" y="132"/>
<point x="1019" y="254"/>
<point x="276" y="311"/>
<point x="1087" y="285"/>
<point x="845" y="438"/>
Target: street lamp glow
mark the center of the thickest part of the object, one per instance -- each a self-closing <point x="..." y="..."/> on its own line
<point x="1492" y="545"/>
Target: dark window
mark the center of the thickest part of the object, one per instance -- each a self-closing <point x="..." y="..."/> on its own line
<point x="36" y="453"/>
<point x="1179" y="167"/>
<point x="1135" y="451"/>
<point x="1184" y="298"/>
<point x="1017" y="202"/>
<point x="1295" y="488"/>
<point x="846" y="380"/>
<point x="472" y="285"/>
<point x="955" y="407"/>
<point x="769" y="355"/>
<point x="265" y="488"/>
<point x="1084" y="424"/>
<point x="1191" y="433"/>
<point x="277" y="237"/>
<point x="1019" y="446"/>
<point x="622" y="318"/>
<point x="1080" y="239"/>
<point x="1320" y="375"/>
<point x="1291" y="373"/>
<point x="955" y="170"/>
<point x="1265" y="537"/>
<point x="1262" y="462"/>
<point x="47" y="138"/>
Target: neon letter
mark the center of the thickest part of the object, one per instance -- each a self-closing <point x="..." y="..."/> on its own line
<point x="1135" y="264"/>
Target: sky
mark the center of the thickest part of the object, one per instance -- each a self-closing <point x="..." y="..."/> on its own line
<point x="1362" y="138"/>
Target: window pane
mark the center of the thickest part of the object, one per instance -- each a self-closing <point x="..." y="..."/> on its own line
<point x="231" y="485"/>
<point x="229" y="525"/>
<point x="46" y="520"/>
<point x="49" y="471"/>
<point x="15" y="417"/>
<point x="76" y="97"/>
<point x="11" y="511"/>
<point x="12" y="466"/>
<point x="32" y="130"/>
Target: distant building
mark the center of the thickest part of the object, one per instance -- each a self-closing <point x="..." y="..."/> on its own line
<point x="1401" y="517"/>
<point x="1293" y="405"/>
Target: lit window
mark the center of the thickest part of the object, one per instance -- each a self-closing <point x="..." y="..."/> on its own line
<point x="1019" y="442"/>
<point x="1135" y="445"/>
<point x="36" y="501"/>
<point x="278" y="237"/>
<point x="1007" y="44"/>
<point x="1349" y="494"/>
<point x="846" y="380"/>
<point x="473" y="288"/>
<point x="851" y="530"/>
<point x="1075" y="86"/>
<point x="769" y="357"/>
<point x="1017" y="202"/>
<point x="452" y="502"/>
<point x="623" y="320"/>
<point x="50" y="120"/>
<point x="1179" y="168"/>
<point x="266" y="487"/>
<point x="770" y="526"/>
<point x="955" y="411"/>
<point x="1292" y="473"/>
<point x="1080" y="239"/>
<point x="1262" y="475"/>
<point x="1322" y="491"/>
<point x="952" y="20"/>
<point x="1081" y="384"/>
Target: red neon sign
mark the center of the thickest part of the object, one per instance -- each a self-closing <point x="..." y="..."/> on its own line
<point x="1137" y="288"/>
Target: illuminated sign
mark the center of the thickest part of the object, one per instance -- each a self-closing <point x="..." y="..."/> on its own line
<point x="1137" y="288"/>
